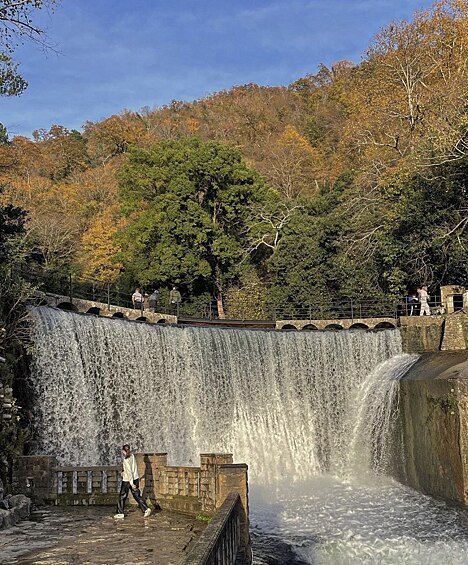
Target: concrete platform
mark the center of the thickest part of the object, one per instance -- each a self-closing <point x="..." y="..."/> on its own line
<point x="91" y="536"/>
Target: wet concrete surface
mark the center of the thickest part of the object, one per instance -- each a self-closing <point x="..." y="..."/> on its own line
<point x="91" y="536"/>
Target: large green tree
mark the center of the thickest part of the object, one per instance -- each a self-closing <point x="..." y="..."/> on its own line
<point x="189" y="204"/>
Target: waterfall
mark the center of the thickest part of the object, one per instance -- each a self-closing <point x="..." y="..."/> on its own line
<point x="290" y="404"/>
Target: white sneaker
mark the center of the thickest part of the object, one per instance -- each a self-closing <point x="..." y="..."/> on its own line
<point x="119" y="516"/>
<point x="147" y="513"/>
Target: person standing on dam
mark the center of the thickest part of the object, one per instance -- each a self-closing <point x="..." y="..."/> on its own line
<point x="130" y="481"/>
<point x="138" y="300"/>
<point x="175" y="299"/>
<point x="424" y="301"/>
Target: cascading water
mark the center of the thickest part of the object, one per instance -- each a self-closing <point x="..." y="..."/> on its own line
<point x="279" y="401"/>
<point x="310" y="412"/>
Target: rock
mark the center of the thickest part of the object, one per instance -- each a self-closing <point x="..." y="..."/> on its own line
<point x="19" y="508"/>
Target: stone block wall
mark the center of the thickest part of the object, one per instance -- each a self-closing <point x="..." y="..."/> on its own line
<point x="33" y="475"/>
<point x="434" y="418"/>
<point x="192" y="490"/>
<point x="454" y="338"/>
<point x="421" y="333"/>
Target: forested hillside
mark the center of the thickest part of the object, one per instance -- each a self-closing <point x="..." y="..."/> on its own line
<point x="350" y="182"/>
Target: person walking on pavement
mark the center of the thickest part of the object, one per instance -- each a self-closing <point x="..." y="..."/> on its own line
<point x="130" y="481"/>
<point x="424" y="302"/>
<point x="137" y="300"/>
<point x="175" y="299"/>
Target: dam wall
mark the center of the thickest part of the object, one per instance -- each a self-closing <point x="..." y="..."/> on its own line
<point x="434" y="333"/>
<point x="434" y="425"/>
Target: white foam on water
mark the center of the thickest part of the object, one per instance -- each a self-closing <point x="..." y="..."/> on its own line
<point x="331" y="522"/>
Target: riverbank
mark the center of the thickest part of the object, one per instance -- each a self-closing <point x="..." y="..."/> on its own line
<point x="90" y="535"/>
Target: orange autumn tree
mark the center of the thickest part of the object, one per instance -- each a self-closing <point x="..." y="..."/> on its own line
<point x="98" y="250"/>
<point x="294" y="166"/>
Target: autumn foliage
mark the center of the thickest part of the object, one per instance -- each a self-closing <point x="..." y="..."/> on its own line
<point x="344" y="154"/>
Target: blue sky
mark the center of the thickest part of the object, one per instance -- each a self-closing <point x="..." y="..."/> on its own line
<point x="117" y="54"/>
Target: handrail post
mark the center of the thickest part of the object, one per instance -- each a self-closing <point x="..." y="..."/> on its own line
<point x="352" y="311"/>
<point x="108" y="295"/>
<point x="70" y="289"/>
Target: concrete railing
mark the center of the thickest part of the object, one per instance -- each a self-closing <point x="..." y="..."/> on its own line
<point x="226" y="540"/>
<point x="86" y="485"/>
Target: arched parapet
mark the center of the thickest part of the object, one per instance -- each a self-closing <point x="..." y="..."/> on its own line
<point x="310" y="327"/>
<point x="359" y="326"/>
<point x="68" y="306"/>
<point x="385" y="326"/>
<point x="334" y="327"/>
<point x="102" y="309"/>
<point x="94" y="310"/>
<point x="290" y="327"/>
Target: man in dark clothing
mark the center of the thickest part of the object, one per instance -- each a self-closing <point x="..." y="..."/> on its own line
<point x="153" y="299"/>
<point x="175" y="299"/>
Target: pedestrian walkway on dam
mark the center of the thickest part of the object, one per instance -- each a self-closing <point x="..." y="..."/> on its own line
<point x="90" y="536"/>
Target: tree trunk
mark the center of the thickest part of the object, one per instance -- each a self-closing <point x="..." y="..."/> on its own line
<point x="220" y="306"/>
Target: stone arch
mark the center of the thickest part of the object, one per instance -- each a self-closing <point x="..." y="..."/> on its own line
<point x="310" y="327"/>
<point x="118" y="315"/>
<point x="141" y="319"/>
<point x="384" y="326"/>
<point x="333" y="327"/>
<point x="94" y="310"/>
<point x="68" y="306"/>
<point x="162" y="321"/>
<point x="359" y="326"/>
<point x="289" y="327"/>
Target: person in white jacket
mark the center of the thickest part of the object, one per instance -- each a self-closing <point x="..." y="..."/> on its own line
<point x="424" y="301"/>
<point x="130" y="481"/>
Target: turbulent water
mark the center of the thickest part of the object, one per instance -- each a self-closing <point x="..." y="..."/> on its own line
<point x="312" y="414"/>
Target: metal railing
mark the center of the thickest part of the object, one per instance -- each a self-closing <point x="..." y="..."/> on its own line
<point x="345" y="308"/>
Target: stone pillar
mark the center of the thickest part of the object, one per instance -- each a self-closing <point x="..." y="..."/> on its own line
<point x="446" y="296"/>
<point x="34" y="476"/>
<point x="234" y="478"/>
<point x="209" y="463"/>
<point x="149" y="468"/>
<point x="155" y="465"/>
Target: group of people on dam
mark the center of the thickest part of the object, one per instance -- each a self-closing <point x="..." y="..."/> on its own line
<point x="418" y="303"/>
<point x="147" y="301"/>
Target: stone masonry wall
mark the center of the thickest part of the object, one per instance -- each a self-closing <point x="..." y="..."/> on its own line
<point x="434" y="417"/>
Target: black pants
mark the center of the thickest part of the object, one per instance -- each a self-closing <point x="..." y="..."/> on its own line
<point x="136" y="495"/>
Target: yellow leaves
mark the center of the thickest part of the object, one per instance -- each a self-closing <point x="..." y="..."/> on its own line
<point x="407" y="98"/>
<point x="294" y="167"/>
<point x="292" y="140"/>
<point x="98" y="250"/>
<point x="113" y="136"/>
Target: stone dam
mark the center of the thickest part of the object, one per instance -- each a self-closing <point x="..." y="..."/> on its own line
<point x="356" y="441"/>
